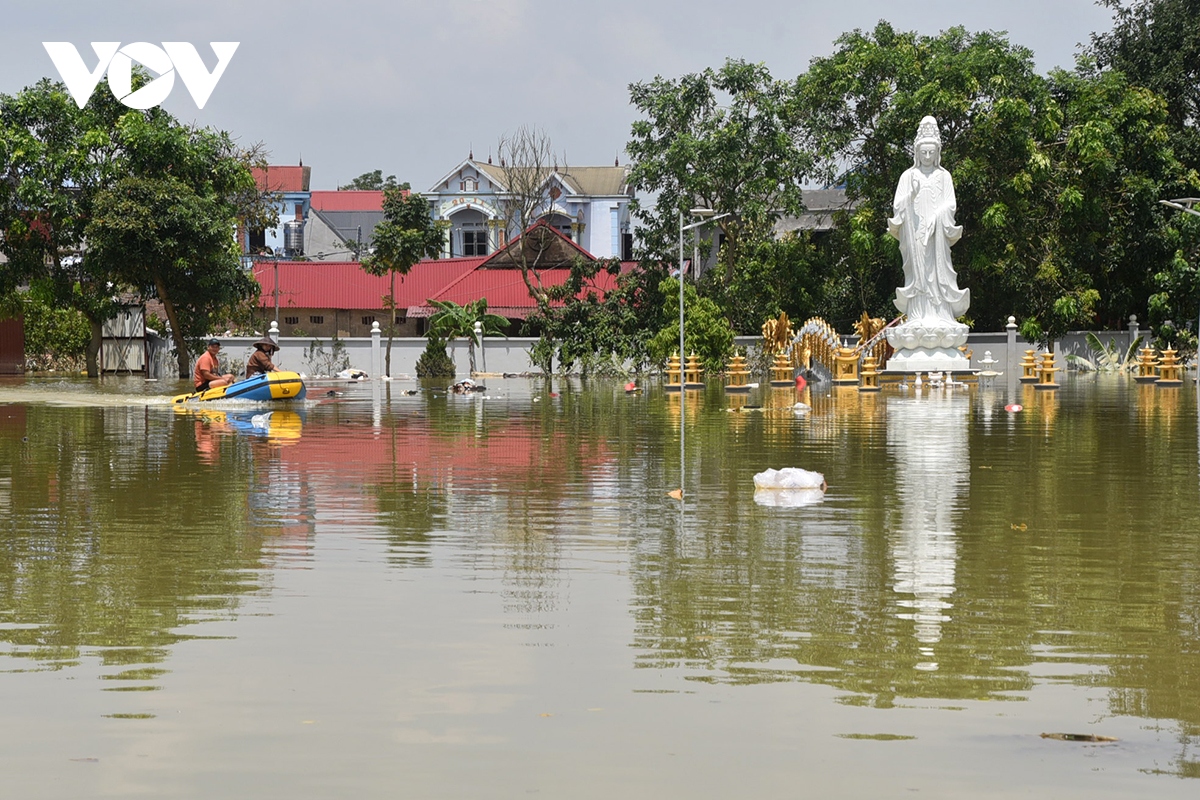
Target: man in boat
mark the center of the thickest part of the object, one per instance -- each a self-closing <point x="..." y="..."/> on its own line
<point x="207" y="374"/>
<point x="260" y="359"/>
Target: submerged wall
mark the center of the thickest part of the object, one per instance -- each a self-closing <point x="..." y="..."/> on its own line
<point x="500" y="354"/>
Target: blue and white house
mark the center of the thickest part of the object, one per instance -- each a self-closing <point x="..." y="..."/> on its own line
<point x="589" y="205"/>
<point x="290" y="187"/>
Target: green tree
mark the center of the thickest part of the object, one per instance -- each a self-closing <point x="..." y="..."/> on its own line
<point x="706" y="330"/>
<point x="452" y="321"/>
<point x="406" y="235"/>
<point x="594" y="329"/>
<point x="1156" y="44"/>
<point x="374" y="181"/>
<point x="728" y="139"/>
<point x="863" y="104"/>
<point x="435" y="362"/>
<point x="785" y="274"/>
<point x="56" y="336"/>
<point x="1056" y="178"/>
<point x="165" y="226"/>
<point x="1112" y="237"/>
<point x="54" y="158"/>
<point x="104" y="199"/>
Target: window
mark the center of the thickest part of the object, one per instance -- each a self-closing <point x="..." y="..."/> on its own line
<point x="368" y="320"/>
<point x="475" y="243"/>
<point x="468" y="185"/>
<point x="291" y="320"/>
<point x="316" y="320"/>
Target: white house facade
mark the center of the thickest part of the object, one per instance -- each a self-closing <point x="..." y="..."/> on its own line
<point x="590" y="205"/>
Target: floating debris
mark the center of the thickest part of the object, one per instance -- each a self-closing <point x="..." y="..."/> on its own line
<point x="1079" y="737"/>
<point x="789" y="478"/>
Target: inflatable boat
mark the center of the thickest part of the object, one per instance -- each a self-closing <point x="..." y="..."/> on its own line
<point x="261" y="388"/>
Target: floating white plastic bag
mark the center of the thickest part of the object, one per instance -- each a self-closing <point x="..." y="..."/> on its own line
<point x="789" y="478"/>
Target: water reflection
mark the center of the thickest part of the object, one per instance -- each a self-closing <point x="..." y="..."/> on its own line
<point x="1046" y="558"/>
<point x="928" y="444"/>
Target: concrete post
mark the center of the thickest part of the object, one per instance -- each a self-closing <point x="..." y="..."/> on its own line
<point x="376" y="363"/>
<point x="1010" y="358"/>
<point x="273" y="332"/>
<point x="1133" y="328"/>
<point x="479" y="336"/>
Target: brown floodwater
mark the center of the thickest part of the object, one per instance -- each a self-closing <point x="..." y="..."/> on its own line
<point x="384" y="594"/>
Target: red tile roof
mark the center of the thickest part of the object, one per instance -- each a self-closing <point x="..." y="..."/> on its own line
<point x="344" y="285"/>
<point x="282" y="179"/>
<point x="347" y="201"/>
<point x="505" y="291"/>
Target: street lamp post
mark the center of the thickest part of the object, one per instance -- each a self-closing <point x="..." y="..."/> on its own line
<point x="1188" y="205"/>
<point x="707" y="216"/>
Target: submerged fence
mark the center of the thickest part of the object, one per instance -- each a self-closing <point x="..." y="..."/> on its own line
<point x="511" y="354"/>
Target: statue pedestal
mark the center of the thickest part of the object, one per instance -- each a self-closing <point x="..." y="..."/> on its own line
<point x="924" y="359"/>
<point x="928" y="345"/>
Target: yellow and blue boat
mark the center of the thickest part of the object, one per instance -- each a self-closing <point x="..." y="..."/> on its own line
<point x="261" y="388"/>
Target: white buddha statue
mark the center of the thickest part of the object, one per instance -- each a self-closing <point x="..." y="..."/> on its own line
<point x="923" y="223"/>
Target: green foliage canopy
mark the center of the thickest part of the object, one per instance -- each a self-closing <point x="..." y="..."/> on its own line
<point x="707" y="332"/>
<point x="1057" y="178"/>
<point x="374" y="181"/>
<point x="597" y="330"/>
<point x="164" y="227"/>
<point x="728" y="139"/>
<point x="452" y="321"/>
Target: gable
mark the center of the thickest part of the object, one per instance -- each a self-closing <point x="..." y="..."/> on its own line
<point x="541" y="246"/>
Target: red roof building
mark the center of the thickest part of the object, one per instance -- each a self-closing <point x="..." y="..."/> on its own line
<point x="282" y="179"/>
<point x="338" y="298"/>
<point x="347" y="201"/>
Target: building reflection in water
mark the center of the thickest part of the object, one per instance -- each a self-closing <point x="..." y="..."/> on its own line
<point x="928" y="440"/>
<point x="280" y="501"/>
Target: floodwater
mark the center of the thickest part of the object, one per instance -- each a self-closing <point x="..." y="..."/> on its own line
<point x="382" y="594"/>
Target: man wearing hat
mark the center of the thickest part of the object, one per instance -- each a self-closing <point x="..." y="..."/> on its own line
<point x="260" y="359"/>
<point x="207" y="374"/>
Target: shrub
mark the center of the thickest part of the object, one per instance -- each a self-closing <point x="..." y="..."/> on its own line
<point x="435" y="362"/>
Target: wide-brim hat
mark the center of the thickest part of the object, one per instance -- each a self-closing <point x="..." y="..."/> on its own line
<point x="266" y="342"/>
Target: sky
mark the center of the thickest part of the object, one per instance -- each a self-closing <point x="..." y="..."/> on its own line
<point x="412" y="87"/>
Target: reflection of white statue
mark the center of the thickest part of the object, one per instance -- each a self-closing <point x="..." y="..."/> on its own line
<point x="929" y="440"/>
<point x="924" y="208"/>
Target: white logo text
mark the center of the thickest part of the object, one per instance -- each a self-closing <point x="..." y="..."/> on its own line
<point x="118" y="61"/>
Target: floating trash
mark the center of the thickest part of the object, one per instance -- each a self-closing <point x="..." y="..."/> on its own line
<point x="789" y="487"/>
<point x="1079" y="737"/>
<point x="789" y="478"/>
<point x="1013" y="408"/>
